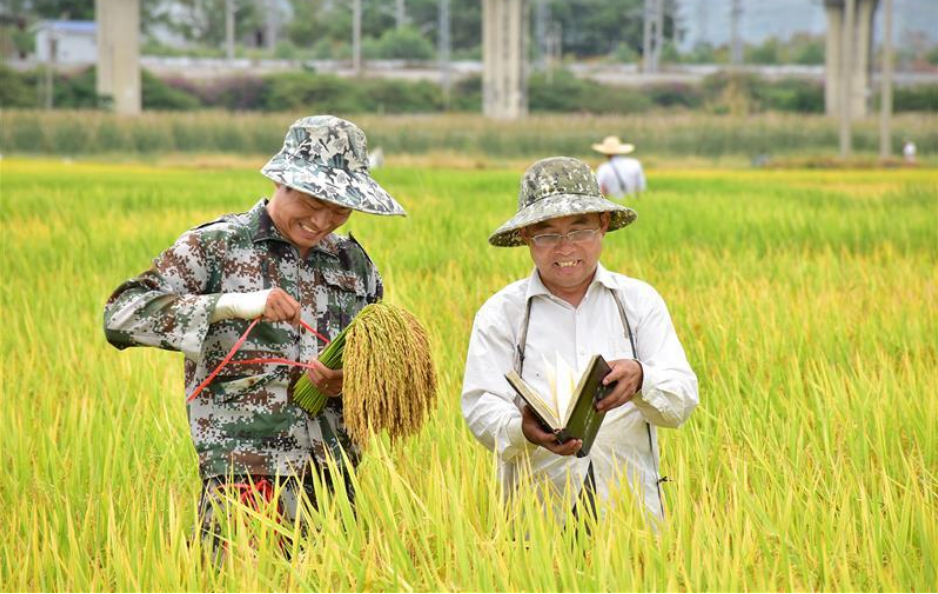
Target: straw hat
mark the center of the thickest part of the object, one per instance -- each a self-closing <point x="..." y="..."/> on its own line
<point x="558" y="187"/>
<point x="327" y="157"/>
<point x="611" y="145"/>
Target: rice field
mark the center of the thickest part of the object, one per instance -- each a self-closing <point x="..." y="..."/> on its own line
<point x="775" y="137"/>
<point x="807" y="302"/>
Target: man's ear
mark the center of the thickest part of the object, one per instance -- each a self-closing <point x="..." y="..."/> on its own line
<point x="604" y="220"/>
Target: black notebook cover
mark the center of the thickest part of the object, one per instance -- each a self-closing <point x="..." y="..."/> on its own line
<point x="585" y="420"/>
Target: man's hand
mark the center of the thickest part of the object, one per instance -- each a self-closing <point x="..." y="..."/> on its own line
<point x="280" y="307"/>
<point x="534" y="433"/>
<point x="327" y="380"/>
<point x="627" y="375"/>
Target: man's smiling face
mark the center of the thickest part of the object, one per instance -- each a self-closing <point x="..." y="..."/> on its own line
<point x="566" y="266"/>
<point x="303" y="219"/>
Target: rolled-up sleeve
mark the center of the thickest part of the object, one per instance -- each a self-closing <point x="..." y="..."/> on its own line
<point x="669" y="389"/>
<point x="487" y="402"/>
<point x="167" y="306"/>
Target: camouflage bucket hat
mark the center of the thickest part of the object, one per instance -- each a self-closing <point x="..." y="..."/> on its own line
<point x="327" y="157"/>
<point x="558" y="187"/>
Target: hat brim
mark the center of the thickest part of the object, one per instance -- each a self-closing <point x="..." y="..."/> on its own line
<point x="355" y="190"/>
<point x="622" y="149"/>
<point x="560" y="205"/>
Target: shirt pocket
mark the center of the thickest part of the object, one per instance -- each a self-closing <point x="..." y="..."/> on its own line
<point x="276" y="339"/>
<point x="245" y="380"/>
<point x="344" y="297"/>
<point x="619" y="347"/>
<point x="234" y="388"/>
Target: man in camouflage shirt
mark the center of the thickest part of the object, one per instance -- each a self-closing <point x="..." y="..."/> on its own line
<point x="281" y="261"/>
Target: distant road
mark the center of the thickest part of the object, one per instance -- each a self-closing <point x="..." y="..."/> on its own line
<point x="612" y="74"/>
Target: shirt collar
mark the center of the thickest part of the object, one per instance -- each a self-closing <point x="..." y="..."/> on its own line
<point x="536" y="285"/>
<point x="604" y="278"/>
<point x="266" y="230"/>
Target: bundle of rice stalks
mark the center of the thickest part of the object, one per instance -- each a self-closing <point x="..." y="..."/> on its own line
<point x="306" y="394"/>
<point x="389" y="382"/>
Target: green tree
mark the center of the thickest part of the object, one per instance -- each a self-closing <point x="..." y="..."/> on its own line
<point x="203" y="21"/>
<point x="74" y="10"/>
<point x="315" y="20"/>
<point x="598" y="27"/>
<point x="703" y="52"/>
<point x="806" y="49"/>
<point x="15" y="89"/>
<point x="404" y="44"/>
<point x="769" y="52"/>
<point x="932" y="56"/>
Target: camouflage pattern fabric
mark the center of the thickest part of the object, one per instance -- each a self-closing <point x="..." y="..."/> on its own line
<point x="245" y="422"/>
<point x="328" y="157"/>
<point x="558" y="187"/>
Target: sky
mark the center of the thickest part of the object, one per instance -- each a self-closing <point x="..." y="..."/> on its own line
<point x="710" y="19"/>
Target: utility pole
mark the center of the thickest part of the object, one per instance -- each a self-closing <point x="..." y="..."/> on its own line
<point x="736" y="47"/>
<point x="444" y="41"/>
<point x="846" y="95"/>
<point x="229" y="29"/>
<point x="272" y="23"/>
<point x="647" y="25"/>
<point x="554" y="48"/>
<point x="50" y="65"/>
<point x="541" y="18"/>
<point x="652" y="35"/>
<point x="400" y="14"/>
<point x="885" y="100"/>
<point x="357" y="37"/>
<point x="703" y="33"/>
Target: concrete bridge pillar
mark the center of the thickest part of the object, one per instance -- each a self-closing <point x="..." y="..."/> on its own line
<point x="504" y="59"/>
<point x="118" y="32"/>
<point x="859" y="61"/>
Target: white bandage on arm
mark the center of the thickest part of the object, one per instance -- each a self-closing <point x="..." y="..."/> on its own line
<point x="245" y="306"/>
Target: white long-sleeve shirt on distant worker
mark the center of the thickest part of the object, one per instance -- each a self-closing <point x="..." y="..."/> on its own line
<point x="623" y="446"/>
<point x="621" y="176"/>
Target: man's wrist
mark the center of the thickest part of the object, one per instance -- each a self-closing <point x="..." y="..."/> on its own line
<point x="246" y="306"/>
<point x="641" y="375"/>
<point x="516" y="435"/>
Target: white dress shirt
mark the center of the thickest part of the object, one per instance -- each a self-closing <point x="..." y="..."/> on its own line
<point x="622" y="447"/>
<point x="630" y="178"/>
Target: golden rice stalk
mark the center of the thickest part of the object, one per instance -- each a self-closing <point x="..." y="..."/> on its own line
<point x="390" y="381"/>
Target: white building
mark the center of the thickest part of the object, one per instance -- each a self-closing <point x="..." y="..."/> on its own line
<point x="73" y="42"/>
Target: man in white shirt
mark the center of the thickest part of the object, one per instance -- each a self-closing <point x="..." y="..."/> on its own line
<point x="908" y="151"/>
<point x="620" y="176"/>
<point x="570" y="307"/>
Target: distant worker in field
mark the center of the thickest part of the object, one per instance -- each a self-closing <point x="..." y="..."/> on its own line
<point x="280" y="261"/>
<point x="908" y="151"/>
<point x="619" y="176"/>
<point x="570" y="309"/>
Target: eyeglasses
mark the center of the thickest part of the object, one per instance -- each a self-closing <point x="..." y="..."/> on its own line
<point x="554" y="239"/>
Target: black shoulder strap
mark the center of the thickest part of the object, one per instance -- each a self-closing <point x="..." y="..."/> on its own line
<point x="523" y="343"/>
<point x="651" y="442"/>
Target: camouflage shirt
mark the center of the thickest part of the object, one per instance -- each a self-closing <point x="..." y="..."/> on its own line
<point x="245" y="420"/>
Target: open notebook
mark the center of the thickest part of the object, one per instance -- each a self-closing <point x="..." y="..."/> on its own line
<point x="569" y="410"/>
